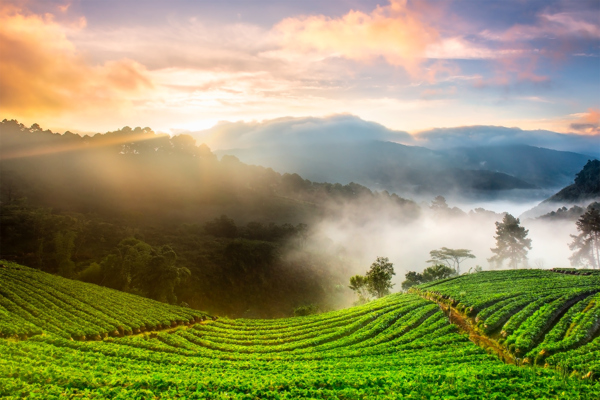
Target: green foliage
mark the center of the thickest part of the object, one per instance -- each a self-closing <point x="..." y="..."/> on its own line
<point x="436" y="272"/>
<point x="38" y="302"/>
<point x="377" y="282"/>
<point x="535" y="313"/>
<point x="359" y="284"/>
<point x="305" y="310"/>
<point x="429" y="274"/>
<point x="412" y="278"/>
<point x="512" y="243"/>
<point x="397" y="346"/>
<point x="222" y="227"/>
<point x="379" y="277"/>
<point x="64" y="244"/>
<point x="62" y="211"/>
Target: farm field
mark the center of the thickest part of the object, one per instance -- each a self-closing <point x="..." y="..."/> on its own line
<point x="538" y="317"/>
<point x="400" y="346"/>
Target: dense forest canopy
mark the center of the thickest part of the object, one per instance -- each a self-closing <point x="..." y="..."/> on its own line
<point x="163" y="217"/>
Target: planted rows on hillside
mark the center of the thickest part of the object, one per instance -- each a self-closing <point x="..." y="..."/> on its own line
<point x="534" y="314"/>
<point x="401" y="346"/>
<point x="32" y="302"/>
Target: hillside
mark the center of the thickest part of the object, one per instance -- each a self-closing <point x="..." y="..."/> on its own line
<point x="584" y="190"/>
<point x="539" y="317"/>
<point x="400" y="346"/>
<point x="418" y="171"/>
<point x="33" y="302"/>
<point x="135" y="211"/>
<point x="585" y="187"/>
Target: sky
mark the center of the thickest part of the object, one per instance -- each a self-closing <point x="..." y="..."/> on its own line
<point x="412" y="66"/>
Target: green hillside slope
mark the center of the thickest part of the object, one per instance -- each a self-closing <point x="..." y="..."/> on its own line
<point x="33" y="302"/>
<point x="540" y="317"/>
<point x="400" y="346"/>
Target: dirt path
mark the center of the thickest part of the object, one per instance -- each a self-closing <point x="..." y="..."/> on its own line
<point x="467" y="325"/>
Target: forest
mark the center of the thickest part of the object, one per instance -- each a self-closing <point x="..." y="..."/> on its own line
<point x="162" y="217"/>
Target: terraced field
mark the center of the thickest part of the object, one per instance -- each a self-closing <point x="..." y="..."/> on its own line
<point x="538" y="317"/>
<point x="401" y="346"/>
<point x="32" y="302"/>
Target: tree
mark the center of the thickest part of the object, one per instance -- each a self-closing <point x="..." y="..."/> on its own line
<point x="222" y="227"/>
<point x="586" y="245"/>
<point x="511" y="242"/>
<point x="377" y="282"/>
<point x="380" y="277"/>
<point x="412" y="279"/>
<point x="450" y="257"/>
<point x="437" y="272"/>
<point x="430" y="274"/>
<point x="358" y="284"/>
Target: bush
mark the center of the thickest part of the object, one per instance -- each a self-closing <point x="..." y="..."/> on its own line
<point x="305" y="310"/>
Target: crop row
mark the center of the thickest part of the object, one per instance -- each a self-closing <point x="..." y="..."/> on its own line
<point x="46" y="367"/>
<point x="537" y="313"/>
<point x="37" y="302"/>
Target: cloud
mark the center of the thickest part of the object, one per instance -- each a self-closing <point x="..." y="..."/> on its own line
<point x="395" y="32"/>
<point x="557" y="25"/>
<point x="474" y="136"/>
<point x="296" y="131"/>
<point x="42" y="73"/>
<point x="588" y="123"/>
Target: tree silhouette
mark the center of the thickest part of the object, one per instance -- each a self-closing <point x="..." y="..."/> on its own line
<point x="511" y="242"/>
<point x="450" y="257"/>
<point x="358" y="284"/>
<point x="586" y="245"/>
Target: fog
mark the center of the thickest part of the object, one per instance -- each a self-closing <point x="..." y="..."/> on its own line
<point x="350" y="128"/>
<point x="360" y="234"/>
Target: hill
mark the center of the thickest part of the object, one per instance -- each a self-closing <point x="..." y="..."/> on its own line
<point x="344" y="148"/>
<point x="535" y="316"/>
<point x="582" y="192"/>
<point x="400" y="346"/>
<point x="33" y="302"/>
<point x="585" y="187"/>
<point x="384" y="166"/>
<point x="164" y="218"/>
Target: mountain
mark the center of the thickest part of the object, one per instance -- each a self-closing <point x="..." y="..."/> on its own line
<point x="418" y="171"/>
<point x="345" y="148"/>
<point x="586" y="186"/>
<point x="582" y="192"/>
<point x="542" y="167"/>
<point x="163" y="218"/>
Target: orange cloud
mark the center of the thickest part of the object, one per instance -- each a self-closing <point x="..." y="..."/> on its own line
<point x="394" y="32"/>
<point x="42" y="73"/>
<point x="588" y="123"/>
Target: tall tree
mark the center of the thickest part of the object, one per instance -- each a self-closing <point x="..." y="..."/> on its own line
<point x="377" y="282"/>
<point x="512" y="243"/>
<point x="380" y="277"/>
<point x="450" y="257"/>
<point x="358" y="284"/>
<point x="586" y="245"/>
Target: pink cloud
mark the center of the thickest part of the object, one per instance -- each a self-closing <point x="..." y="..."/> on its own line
<point x="394" y="32"/>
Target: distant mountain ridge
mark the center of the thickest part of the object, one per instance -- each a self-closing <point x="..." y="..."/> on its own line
<point x="413" y="170"/>
<point x="586" y="186"/>
<point x="582" y="192"/>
